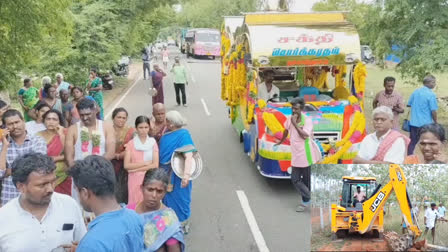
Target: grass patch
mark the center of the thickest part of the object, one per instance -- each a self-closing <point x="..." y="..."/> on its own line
<point x="374" y="84"/>
<point x="392" y="222"/>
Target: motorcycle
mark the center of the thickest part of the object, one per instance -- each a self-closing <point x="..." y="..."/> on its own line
<point x="122" y="68"/>
<point x="108" y="81"/>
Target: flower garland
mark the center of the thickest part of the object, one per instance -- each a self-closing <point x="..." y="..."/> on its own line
<point x="86" y="138"/>
<point x="359" y="77"/>
<point x="339" y="73"/>
<point x="252" y="94"/>
<point x="353" y="135"/>
<point x="272" y="123"/>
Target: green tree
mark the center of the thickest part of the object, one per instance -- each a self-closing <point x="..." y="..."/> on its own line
<point x="24" y="25"/>
<point x="209" y="13"/>
<point x="418" y="28"/>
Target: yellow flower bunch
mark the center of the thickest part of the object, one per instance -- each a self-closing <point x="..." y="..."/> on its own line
<point x="359" y="124"/>
<point x="322" y="81"/>
<point x="352" y="99"/>
<point x="340" y="77"/>
<point x="253" y="93"/>
<point x="261" y="103"/>
<point x="359" y="77"/>
<point x="272" y="123"/>
<point x="356" y="121"/>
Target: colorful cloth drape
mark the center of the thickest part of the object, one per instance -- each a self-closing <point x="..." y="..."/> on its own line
<point x="180" y="198"/>
<point x="160" y="227"/>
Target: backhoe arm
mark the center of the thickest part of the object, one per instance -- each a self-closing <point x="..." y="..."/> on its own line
<point x="375" y="204"/>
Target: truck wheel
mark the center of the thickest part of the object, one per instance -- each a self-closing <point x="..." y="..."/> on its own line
<point x="341" y="234"/>
<point x="334" y="236"/>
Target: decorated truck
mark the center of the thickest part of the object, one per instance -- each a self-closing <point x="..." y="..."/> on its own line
<point x="315" y="56"/>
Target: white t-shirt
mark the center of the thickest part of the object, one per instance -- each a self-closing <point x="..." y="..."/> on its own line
<point x="264" y="94"/>
<point x="369" y="147"/>
<point x="32" y="127"/>
<point x="20" y="231"/>
<point x="431" y="216"/>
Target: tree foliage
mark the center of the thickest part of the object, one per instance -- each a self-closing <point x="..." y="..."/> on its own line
<point x="70" y="36"/>
<point x="209" y="13"/>
<point x="418" y="28"/>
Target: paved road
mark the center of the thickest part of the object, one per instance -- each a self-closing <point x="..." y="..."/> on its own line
<point x="218" y="220"/>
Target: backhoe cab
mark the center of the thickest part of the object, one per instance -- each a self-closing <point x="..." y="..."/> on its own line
<point x="367" y="216"/>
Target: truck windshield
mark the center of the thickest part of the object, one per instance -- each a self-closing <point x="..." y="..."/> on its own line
<point x="207" y="37"/>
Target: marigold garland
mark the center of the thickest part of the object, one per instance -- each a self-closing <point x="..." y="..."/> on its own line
<point x="272" y="123"/>
<point x="359" y="124"/>
<point x="340" y="76"/>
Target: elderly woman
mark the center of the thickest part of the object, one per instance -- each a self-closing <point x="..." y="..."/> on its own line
<point x="177" y="139"/>
<point x="123" y="134"/>
<point x="432" y="144"/>
<point x="385" y="145"/>
<point x="45" y="80"/>
<point x="157" y="216"/>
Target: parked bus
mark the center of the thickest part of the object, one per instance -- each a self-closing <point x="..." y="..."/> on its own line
<point x="203" y="42"/>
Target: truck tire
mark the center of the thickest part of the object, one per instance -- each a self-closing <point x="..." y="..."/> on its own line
<point x="334" y="237"/>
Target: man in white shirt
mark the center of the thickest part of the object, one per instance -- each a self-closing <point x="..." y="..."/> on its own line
<point x="431" y="215"/>
<point x="267" y="90"/>
<point x="39" y="220"/>
<point x="385" y="145"/>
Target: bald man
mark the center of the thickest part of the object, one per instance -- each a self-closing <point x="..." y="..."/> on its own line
<point x="158" y="121"/>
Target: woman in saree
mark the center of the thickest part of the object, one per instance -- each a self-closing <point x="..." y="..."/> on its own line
<point x="432" y="146"/>
<point x="28" y="98"/>
<point x="177" y="139"/>
<point x="157" y="82"/>
<point x="123" y="134"/>
<point x="162" y="228"/>
<point x="54" y="135"/>
<point x="95" y="89"/>
<point x="141" y="155"/>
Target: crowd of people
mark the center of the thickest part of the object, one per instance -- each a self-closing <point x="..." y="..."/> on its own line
<point x="387" y="144"/>
<point x="62" y="167"/>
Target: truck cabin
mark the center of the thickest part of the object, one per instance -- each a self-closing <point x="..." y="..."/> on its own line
<point x="367" y="186"/>
<point x="301" y="82"/>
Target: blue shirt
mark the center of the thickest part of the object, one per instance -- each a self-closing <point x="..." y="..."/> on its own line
<point x="422" y="102"/>
<point x="120" y="230"/>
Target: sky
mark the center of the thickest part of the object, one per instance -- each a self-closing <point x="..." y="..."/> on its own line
<point x="302" y="5"/>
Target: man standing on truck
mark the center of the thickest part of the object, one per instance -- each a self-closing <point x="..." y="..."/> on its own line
<point x="267" y="90"/>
